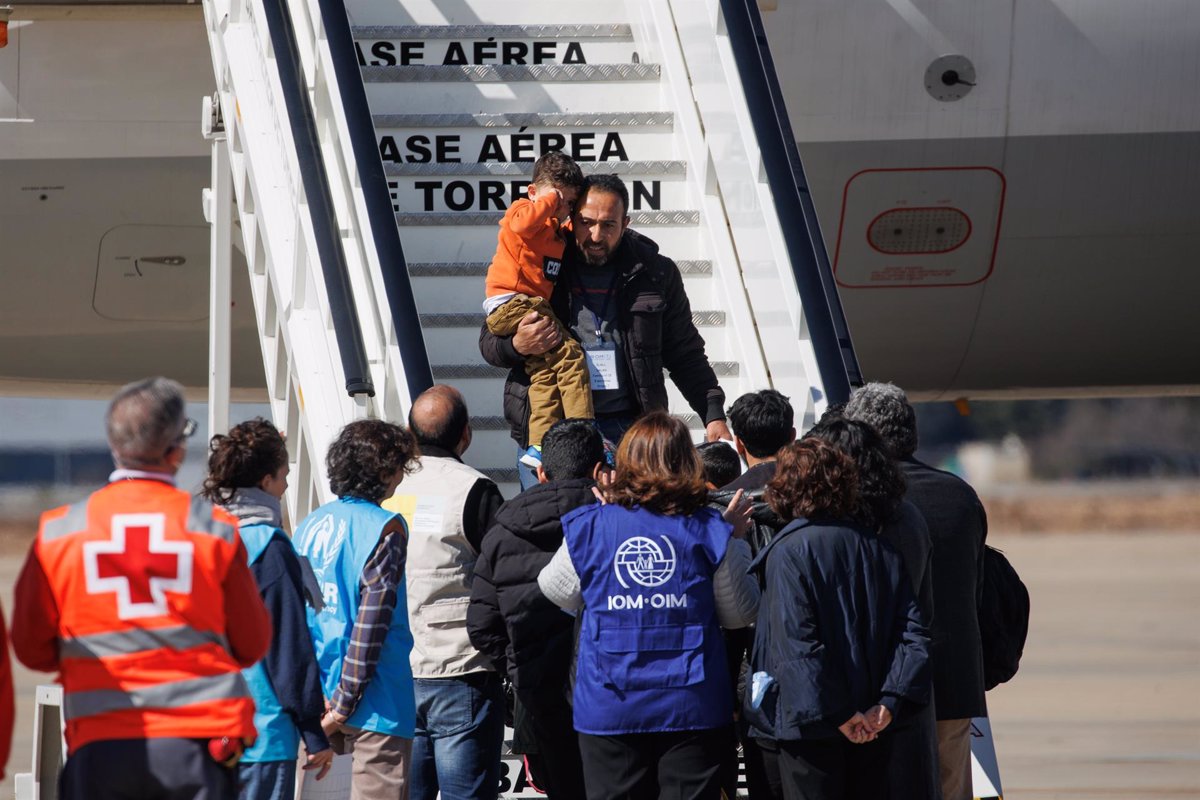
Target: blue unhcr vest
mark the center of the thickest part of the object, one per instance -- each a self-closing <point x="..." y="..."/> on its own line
<point x="278" y="738"/>
<point x="337" y="539"/>
<point x="651" y="657"/>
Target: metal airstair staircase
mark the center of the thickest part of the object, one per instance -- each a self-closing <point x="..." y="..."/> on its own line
<point x="375" y="144"/>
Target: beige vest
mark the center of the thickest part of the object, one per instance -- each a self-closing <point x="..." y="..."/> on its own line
<point x="440" y="567"/>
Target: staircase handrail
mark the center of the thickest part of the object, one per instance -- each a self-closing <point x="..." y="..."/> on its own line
<point x="784" y="171"/>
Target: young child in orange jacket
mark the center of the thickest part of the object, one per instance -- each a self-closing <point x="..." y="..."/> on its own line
<point x="521" y="278"/>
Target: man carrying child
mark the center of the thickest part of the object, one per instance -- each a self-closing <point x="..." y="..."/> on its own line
<point x="520" y="280"/>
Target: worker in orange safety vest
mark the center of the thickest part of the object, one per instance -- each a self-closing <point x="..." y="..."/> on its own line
<point x="141" y="597"/>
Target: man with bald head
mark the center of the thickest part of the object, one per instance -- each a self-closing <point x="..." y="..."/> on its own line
<point x="448" y="507"/>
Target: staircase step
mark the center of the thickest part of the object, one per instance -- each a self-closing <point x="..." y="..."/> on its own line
<point x="702" y="319"/>
<point x="460" y="192"/>
<point x="511" y="73"/>
<point x="423" y="32"/>
<point x="478" y="269"/>
<point x="459" y="371"/>
<point x="493" y="98"/>
<point x="492" y="218"/>
<point x="555" y="119"/>
<point x="501" y="424"/>
<point x="416" y="150"/>
<point x="657" y="169"/>
<point x="478" y="242"/>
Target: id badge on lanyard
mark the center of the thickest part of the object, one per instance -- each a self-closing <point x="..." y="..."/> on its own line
<point x="602" y="365"/>
<point x="601" y="355"/>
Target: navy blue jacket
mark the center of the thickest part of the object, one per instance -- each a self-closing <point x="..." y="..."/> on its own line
<point x="838" y="631"/>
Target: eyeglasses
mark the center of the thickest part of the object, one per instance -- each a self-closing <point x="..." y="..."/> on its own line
<point x="189" y="428"/>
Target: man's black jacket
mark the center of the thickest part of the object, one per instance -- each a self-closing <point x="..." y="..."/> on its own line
<point x="509" y="620"/>
<point x="654" y="319"/>
<point x="958" y="530"/>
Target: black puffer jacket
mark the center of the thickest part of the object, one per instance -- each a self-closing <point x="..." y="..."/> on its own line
<point x="655" y="322"/>
<point x="509" y="619"/>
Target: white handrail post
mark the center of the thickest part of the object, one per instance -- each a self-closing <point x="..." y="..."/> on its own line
<point x="218" y="202"/>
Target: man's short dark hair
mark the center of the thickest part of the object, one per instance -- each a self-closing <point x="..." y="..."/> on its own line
<point x="885" y="407"/>
<point x="611" y="184"/>
<point x="438" y="417"/>
<point x="721" y="463"/>
<point x="571" y="449"/>
<point x="559" y="170"/>
<point x="763" y="422"/>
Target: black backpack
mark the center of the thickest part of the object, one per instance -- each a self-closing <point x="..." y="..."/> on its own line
<point x="1003" y="618"/>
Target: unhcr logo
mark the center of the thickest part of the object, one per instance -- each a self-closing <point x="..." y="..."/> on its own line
<point x="644" y="562"/>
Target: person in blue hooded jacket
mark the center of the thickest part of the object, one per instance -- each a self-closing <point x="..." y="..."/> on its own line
<point x="247" y="475"/>
<point x="841" y="648"/>
<point x="655" y="575"/>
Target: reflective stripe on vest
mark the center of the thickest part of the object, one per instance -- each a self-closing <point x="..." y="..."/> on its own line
<point x="74" y="521"/>
<point x="137" y="640"/>
<point x="201" y="520"/>
<point x="164" y="695"/>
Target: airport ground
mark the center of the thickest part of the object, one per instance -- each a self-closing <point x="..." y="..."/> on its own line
<point x="1106" y="703"/>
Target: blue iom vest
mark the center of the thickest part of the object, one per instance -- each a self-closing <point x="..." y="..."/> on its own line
<point x="337" y="539"/>
<point x="651" y="657"/>
<point x="278" y="738"/>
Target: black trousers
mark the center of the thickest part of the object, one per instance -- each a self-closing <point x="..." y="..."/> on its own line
<point x="826" y="769"/>
<point x="557" y="767"/>
<point x="146" y="769"/>
<point x="654" y="766"/>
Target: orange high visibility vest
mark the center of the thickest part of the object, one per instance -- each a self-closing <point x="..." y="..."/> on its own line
<point x="136" y="572"/>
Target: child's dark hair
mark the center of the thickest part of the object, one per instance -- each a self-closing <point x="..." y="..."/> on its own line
<point x="559" y="170"/>
<point x="721" y="463"/>
<point x="571" y="449"/>
<point x="251" y="451"/>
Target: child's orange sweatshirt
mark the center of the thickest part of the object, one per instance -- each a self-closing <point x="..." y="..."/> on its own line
<point x="528" y="251"/>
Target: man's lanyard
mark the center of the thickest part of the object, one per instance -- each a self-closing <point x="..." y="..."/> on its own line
<point x="602" y="315"/>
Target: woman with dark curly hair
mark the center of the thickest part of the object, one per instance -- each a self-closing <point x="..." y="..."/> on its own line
<point x="247" y="475"/>
<point x="361" y="635"/>
<point x="655" y="575"/>
<point x="913" y="762"/>
<point x="840" y="646"/>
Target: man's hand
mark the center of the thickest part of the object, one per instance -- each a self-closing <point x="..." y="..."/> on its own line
<point x="535" y="335"/>
<point x="330" y="724"/>
<point x="855" y="729"/>
<point x="737" y="514"/>
<point x="877" y="718"/>
<point x="321" y="761"/>
<point x="713" y="431"/>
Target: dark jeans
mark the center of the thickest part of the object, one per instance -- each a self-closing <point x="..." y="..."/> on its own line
<point x="458" y="736"/>
<point x="826" y="769"/>
<point x="146" y="769"/>
<point x="654" y="766"/>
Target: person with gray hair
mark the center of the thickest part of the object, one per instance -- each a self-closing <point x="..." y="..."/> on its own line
<point x="146" y="424"/>
<point x="140" y="597"/>
<point x="958" y="528"/>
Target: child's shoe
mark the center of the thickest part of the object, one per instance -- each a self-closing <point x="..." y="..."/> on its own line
<point x="532" y="457"/>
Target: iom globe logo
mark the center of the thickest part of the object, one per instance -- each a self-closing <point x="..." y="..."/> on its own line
<point x="644" y="562"/>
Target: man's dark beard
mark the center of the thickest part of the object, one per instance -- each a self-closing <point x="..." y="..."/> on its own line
<point x="594" y="258"/>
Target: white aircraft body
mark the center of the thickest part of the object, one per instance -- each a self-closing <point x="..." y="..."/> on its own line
<point x="1017" y="220"/>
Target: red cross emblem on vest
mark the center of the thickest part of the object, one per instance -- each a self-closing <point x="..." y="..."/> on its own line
<point x="139" y="564"/>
